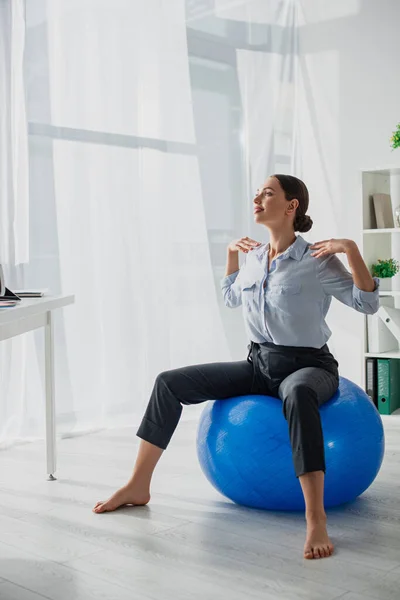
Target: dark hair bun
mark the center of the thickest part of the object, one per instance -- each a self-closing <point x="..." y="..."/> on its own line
<point x="303" y="223"/>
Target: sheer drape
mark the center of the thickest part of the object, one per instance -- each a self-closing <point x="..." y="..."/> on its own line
<point x="329" y="149"/>
<point x="14" y="210"/>
<point x="267" y="71"/>
<point x="135" y="189"/>
<point x="112" y="130"/>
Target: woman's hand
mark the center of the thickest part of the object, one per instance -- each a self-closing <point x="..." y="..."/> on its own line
<point x="331" y="247"/>
<point x="244" y="244"/>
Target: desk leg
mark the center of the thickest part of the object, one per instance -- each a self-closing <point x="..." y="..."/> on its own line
<point x="50" y="398"/>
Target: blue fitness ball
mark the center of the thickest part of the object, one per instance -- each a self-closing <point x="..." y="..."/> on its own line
<point x="244" y="449"/>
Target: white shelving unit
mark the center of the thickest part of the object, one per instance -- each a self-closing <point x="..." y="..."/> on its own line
<point x="391" y="230"/>
<point x="392" y="354"/>
<point x="379" y="243"/>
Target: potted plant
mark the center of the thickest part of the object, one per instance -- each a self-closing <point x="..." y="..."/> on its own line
<point x="395" y="139"/>
<point x="395" y="177"/>
<point x="385" y="270"/>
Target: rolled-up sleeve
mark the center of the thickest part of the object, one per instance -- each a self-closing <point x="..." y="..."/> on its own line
<point x="338" y="282"/>
<point x="231" y="290"/>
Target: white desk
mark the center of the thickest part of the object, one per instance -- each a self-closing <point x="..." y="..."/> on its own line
<point x="31" y="314"/>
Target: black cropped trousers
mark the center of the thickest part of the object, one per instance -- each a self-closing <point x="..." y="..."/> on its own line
<point x="303" y="378"/>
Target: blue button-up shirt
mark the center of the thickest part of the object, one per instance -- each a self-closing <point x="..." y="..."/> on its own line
<point x="290" y="309"/>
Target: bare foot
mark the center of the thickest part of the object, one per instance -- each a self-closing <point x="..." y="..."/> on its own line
<point x="126" y="495"/>
<point x="318" y="544"/>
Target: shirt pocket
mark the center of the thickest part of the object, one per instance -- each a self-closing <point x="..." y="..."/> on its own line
<point x="285" y="297"/>
<point x="249" y="293"/>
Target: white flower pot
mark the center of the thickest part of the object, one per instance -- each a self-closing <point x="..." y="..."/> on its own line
<point x="385" y="284"/>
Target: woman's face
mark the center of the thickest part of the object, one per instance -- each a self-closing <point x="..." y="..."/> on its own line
<point x="270" y="205"/>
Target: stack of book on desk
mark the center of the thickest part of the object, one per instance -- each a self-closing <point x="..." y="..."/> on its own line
<point x="7" y="303"/>
<point x="30" y="293"/>
<point x="9" y="299"/>
<point x="13" y="298"/>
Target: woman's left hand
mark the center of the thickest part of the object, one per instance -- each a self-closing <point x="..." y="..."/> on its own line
<point x="331" y="247"/>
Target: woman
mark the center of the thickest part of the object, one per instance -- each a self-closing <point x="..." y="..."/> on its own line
<point x="285" y="288"/>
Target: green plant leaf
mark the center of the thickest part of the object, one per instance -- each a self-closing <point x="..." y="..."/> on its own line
<point x="385" y="268"/>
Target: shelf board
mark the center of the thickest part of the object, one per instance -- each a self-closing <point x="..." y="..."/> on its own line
<point x="389" y="354"/>
<point x="390" y="293"/>
<point x="386" y="171"/>
<point x="389" y="230"/>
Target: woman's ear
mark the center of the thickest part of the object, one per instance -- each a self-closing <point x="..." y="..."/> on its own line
<point x="292" y="206"/>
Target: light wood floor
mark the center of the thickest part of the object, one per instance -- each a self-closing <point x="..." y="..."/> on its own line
<point x="190" y="542"/>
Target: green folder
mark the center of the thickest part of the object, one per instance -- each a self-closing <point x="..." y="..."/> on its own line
<point x="388" y="385"/>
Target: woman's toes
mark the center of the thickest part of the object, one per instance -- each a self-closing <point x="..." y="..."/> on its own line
<point x="308" y="553"/>
<point x="102" y="507"/>
<point x="318" y="551"/>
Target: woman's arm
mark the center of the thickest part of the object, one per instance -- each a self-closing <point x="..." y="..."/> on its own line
<point x="232" y="262"/>
<point x="357" y="289"/>
<point x="230" y="291"/>
<point x="361" y="276"/>
<point x="229" y="284"/>
<point x="244" y="244"/>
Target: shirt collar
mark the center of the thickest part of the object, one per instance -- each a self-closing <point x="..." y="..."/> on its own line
<point x="295" y="251"/>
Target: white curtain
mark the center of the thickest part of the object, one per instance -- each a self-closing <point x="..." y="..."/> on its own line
<point x="267" y="78"/>
<point x="128" y="210"/>
<point x="14" y="214"/>
<point x="14" y="205"/>
<point x="336" y="98"/>
<point x="124" y="224"/>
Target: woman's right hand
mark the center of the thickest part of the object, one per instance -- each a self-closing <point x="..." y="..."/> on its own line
<point x="244" y="244"/>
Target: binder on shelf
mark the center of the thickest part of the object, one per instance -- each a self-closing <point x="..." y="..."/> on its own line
<point x="388" y="385"/>
<point x="391" y="318"/>
<point x="380" y="338"/>
<point x="371" y="379"/>
<point x="383" y="211"/>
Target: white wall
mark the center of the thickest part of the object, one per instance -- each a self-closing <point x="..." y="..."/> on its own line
<point x="348" y="106"/>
